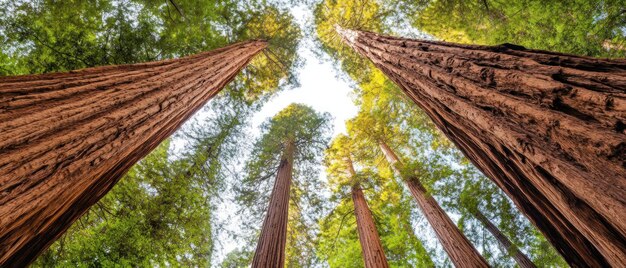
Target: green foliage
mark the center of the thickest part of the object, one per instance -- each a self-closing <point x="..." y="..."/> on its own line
<point x="237" y="259"/>
<point x="154" y="217"/>
<point x="339" y="243"/>
<point x="363" y="15"/>
<point x="593" y="28"/>
<point x="50" y="36"/>
<point x="297" y="124"/>
<point x="388" y="203"/>
<point x="308" y="130"/>
<point x="391" y="208"/>
<point x="339" y="165"/>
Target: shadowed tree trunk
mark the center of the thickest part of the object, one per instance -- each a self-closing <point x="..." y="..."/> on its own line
<point x="520" y="258"/>
<point x="270" y="250"/>
<point x="461" y="252"/>
<point x="373" y="253"/>
<point x="547" y="128"/>
<point x="67" y="138"/>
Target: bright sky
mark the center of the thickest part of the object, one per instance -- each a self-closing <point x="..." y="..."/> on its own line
<point x="320" y="89"/>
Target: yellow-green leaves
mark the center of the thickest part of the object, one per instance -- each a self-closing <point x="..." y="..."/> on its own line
<point x="592" y="28"/>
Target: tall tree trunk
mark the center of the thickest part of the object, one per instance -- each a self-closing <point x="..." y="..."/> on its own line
<point x="547" y="128"/>
<point x="270" y="250"/>
<point x="459" y="248"/>
<point x="511" y="249"/>
<point x="373" y="253"/>
<point x="67" y="138"/>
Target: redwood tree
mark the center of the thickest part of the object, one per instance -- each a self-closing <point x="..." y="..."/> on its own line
<point x="373" y="253"/>
<point x="460" y="250"/>
<point x="360" y="237"/>
<point x="371" y="247"/>
<point x="547" y="128"/>
<point x="291" y="144"/>
<point x="270" y="250"/>
<point x="66" y="138"/>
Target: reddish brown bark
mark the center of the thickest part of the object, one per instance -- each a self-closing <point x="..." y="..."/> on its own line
<point x="67" y="138"/>
<point x="270" y="250"/>
<point x="547" y="128"/>
<point x="520" y="258"/>
<point x="460" y="250"/>
<point x="373" y="253"/>
<point x="372" y="248"/>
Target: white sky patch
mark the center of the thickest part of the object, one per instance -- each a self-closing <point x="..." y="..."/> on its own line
<point x="320" y="89"/>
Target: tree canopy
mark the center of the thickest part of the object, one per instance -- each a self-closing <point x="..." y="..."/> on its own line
<point x="307" y="131"/>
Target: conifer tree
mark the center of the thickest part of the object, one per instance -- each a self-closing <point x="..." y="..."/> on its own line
<point x="165" y="207"/>
<point x="343" y="174"/>
<point x="291" y="142"/>
<point x="462" y="253"/>
<point x="483" y="206"/>
<point x="459" y="248"/>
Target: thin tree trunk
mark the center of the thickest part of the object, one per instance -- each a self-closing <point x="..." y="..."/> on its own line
<point x="67" y="138"/>
<point x="459" y="248"/>
<point x="372" y="248"/>
<point x="547" y="128"/>
<point x="270" y="250"/>
<point x="511" y="249"/>
<point x="373" y="253"/>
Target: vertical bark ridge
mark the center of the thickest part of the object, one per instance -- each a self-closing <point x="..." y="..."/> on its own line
<point x="67" y="138"/>
<point x="373" y="253"/>
<point x="270" y="250"/>
<point x="371" y="247"/>
<point x="460" y="250"/>
<point x="511" y="249"/>
<point x="548" y="128"/>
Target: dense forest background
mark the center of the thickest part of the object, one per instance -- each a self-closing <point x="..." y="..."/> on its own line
<point x="164" y="211"/>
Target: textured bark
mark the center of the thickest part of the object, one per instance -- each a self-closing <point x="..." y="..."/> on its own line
<point x="270" y="250"/>
<point x="373" y="253"/>
<point x="547" y="128"/>
<point x="67" y="138"/>
<point x="520" y="258"/>
<point x="460" y="250"/>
